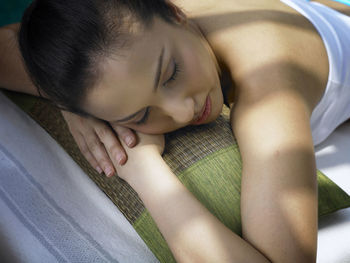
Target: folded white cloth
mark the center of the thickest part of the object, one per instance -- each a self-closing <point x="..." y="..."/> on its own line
<point x="50" y="210"/>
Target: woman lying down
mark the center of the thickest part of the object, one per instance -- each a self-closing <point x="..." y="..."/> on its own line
<point x="147" y="68"/>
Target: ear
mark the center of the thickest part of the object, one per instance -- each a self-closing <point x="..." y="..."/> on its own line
<point x="180" y="16"/>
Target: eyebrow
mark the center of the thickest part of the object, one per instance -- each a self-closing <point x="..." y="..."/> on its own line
<point x="159" y="68"/>
<point x="156" y="84"/>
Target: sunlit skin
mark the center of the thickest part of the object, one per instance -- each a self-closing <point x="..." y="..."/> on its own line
<point x="126" y="83"/>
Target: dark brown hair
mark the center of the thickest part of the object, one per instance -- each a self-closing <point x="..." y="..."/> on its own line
<point x="63" y="41"/>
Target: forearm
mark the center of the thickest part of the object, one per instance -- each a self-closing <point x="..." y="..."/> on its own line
<point x="279" y="206"/>
<point x="12" y="71"/>
<point x="191" y="231"/>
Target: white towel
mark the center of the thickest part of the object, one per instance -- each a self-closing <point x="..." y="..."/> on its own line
<point x="50" y="211"/>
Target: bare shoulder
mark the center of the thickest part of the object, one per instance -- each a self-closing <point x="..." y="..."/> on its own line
<point x="263" y="43"/>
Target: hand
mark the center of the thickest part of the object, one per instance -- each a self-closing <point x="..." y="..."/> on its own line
<point x="149" y="148"/>
<point x="99" y="143"/>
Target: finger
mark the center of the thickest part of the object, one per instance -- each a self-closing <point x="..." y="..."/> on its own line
<point x="111" y="143"/>
<point x="126" y="135"/>
<point x="86" y="152"/>
<point x="93" y="162"/>
<point x="88" y="142"/>
<point x="98" y="151"/>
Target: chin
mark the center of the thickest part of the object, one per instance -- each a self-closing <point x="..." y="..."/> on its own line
<point x="215" y="115"/>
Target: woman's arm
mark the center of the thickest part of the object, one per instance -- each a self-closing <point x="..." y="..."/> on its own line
<point x="191" y="231"/>
<point x="279" y="186"/>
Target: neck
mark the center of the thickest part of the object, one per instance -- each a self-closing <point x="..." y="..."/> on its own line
<point x="227" y="83"/>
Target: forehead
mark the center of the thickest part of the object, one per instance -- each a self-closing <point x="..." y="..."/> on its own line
<point x="127" y="79"/>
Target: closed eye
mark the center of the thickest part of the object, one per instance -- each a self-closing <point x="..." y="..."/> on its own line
<point x="176" y="71"/>
<point x="144" y="118"/>
<point x="173" y="77"/>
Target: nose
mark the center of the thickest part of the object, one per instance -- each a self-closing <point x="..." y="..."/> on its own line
<point x="181" y="110"/>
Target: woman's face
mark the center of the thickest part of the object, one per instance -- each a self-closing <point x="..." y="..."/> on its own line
<point x="168" y="79"/>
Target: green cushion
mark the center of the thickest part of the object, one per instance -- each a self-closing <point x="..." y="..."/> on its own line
<point x="205" y="158"/>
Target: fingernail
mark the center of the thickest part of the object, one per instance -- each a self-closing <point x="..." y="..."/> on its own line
<point x="99" y="170"/>
<point x="120" y="159"/>
<point x="129" y="141"/>
<point x="108" y="171"/>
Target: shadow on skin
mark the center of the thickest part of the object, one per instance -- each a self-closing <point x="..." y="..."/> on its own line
<point x="295" y="197"/>
<point x="235" y="19"/>
<point x="229" y="19"/>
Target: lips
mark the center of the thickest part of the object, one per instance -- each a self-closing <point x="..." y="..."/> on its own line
<point x="205" y="112"/>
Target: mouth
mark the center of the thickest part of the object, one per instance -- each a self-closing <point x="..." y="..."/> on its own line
<point x="206" y="110"/>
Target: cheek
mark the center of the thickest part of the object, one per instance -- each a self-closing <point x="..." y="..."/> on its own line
<point x="199" y="69"/>
<point x="192" y="64"/>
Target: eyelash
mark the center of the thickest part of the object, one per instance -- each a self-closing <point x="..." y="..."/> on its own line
<point x="177" y="70"/>
<point x="144" y="118"/>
